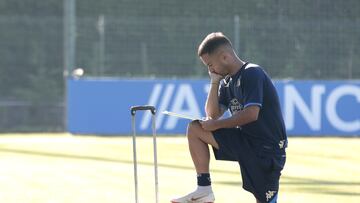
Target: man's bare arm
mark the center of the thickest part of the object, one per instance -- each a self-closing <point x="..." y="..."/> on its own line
<point x="212" y="107"/>
<point x="248" y="115"/>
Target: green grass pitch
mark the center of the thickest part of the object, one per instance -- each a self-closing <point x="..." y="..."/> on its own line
<point x="58" y="168"/>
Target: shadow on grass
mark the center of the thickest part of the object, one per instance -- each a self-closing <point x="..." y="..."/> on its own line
<point x="322" y="156"/>
<point x="286" y="180"/>
<point x="306" y="185"/>
<point x="326" y="191"/>
<point x="94" y="158"/>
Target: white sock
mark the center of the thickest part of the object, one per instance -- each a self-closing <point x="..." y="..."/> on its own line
<point x="204" y="189"/>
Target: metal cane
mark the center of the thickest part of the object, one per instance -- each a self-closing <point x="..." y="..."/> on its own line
<point x="153" y="112"/>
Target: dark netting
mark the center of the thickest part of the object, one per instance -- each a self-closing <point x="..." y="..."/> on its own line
<point x="305" y="39"/>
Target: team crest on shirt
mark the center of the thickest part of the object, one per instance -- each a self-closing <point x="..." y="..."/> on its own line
<point x="281" y="144"/>
<point x="269" y="194"/>
<point x="235" y="106"/>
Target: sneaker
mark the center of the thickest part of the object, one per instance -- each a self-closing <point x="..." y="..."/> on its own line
<point x="195" y="197"/>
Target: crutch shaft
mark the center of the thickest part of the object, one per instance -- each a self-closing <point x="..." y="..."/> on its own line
<point x="133" y="110"/>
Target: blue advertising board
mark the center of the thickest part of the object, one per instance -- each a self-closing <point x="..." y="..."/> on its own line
<point x="102" y="106"/>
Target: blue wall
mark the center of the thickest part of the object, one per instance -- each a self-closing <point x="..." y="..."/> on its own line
<point x="309" y="107"/>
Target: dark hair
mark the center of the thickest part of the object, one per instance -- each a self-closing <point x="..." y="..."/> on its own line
<point x="211" y="42"/>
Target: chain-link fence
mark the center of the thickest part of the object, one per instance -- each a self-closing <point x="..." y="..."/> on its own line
<point x="305" y="39"/>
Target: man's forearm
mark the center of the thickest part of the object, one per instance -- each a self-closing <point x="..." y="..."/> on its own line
<point x="241" y="118"/>
<point x="212" y="103"/>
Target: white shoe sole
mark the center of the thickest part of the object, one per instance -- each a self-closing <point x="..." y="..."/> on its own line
<point x="207" y="199"/>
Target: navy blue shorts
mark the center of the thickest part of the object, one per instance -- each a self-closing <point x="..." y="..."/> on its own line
<point x="260" y="164"/>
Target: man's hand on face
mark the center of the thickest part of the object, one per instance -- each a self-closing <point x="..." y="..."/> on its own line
<point x="215" y="77"/>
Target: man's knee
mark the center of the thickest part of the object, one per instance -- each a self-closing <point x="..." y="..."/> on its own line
<point x="193" y="129"/>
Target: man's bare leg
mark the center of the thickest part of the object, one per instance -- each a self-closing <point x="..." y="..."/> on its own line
<point x="198" y="145"/>
<point x="198" y="140"/>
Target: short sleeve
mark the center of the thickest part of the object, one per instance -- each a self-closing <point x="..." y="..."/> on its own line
<point x="252" y="86"/>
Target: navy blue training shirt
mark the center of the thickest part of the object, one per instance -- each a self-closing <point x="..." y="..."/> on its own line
<point x="252" y="86"/>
